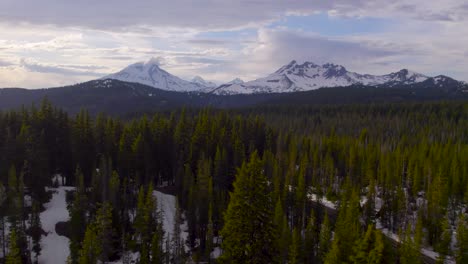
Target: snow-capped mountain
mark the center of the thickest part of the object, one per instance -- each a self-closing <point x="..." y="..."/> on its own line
<point x="289" y="78"/>
<point x="309" y="76"/>
<point x="199" y="80"/>
<point x="236" y="81"/>
<point x="149" y="73"/>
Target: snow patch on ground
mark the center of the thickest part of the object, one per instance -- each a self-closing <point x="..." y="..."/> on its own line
<point x="216" y="252"/>
<point x="322" y="200"/>
<point x="54" y="247"/>
<point x="129" y="257"/>
<point x="167" y="204"/>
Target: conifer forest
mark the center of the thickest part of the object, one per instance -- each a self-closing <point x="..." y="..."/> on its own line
<point x="356" y="183"/>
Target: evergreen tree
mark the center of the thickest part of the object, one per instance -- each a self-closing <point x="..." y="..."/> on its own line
<point x="443" y="248"/>
<point x="14" y="252"/>
<point x="370" y="248"/>
<point x="295" y="249"/>
<point x="91" y="246"/>
<point x="249" y="232"/>
<point x="35" y="227"/>
<point x="177" y="242"/>
<point x="334" y="256"/>
<point x="311" y="239"/>
<point x="461" y="254"/>
<point x="409" y="248"/>
<point x="78" y="221"/>
<point x="325" y="237"/>
<point x="3" y="197"/>
<point x="103" y="223"/>
<point x="157" y="255"/>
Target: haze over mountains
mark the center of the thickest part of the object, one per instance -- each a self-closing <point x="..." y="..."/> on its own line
<point x="292" y="77"/>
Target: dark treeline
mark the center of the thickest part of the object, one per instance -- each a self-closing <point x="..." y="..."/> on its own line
<point x="246" y="182"/>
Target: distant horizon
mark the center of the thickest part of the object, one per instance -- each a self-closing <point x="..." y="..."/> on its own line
<point x="190" y="79"/>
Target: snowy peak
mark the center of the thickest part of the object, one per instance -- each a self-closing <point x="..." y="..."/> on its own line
<point x="291" y="77"/>
<point x="236" y="81"/>
<point x="306" y="76"/>
<point x="199" y="80"/>
<point x="405" y="76"/>
<point x="149" y="73"/>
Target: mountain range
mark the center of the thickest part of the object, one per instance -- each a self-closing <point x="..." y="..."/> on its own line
<point x="145" y="87"/>
<point x="292" y="77"/>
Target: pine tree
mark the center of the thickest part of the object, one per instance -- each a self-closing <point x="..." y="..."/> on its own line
<point x="325" y="237"/>
<point x="177" y="243"/>
<point x="91" y="246"/>
<point x="77" y="217"/>
<point x="14" y="199"/>
<point x="157" y="255"/>
<point x="311" y="239"/>
<point x="443" y="248"/>
<point x="369" y="249"/>
<point x="139" y="222"/>
<point x="36" y="229"/>
<point x="409" y="248"/>
<point x="209" y="233"/>
<point x="3" y="198"/>
<point x="281" y="224"/>
<point x="295" y="249"/>
<point x="461" y="254"/>
<point x="14" y="252"/>
<point x="301" y="193"/>
<point x="249" y="232"/>
<point x="104" y="231"/>
<point x="347" y="226"/>
<point x="334" y="256"/>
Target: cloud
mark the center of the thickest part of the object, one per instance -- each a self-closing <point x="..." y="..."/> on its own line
<point x="113" y="14"/>
<point x="209" y="42"/>
<point x="73" y="70"/>
<point x="279" y="46"/>
<point x="141" y="16"/>
<point x="4" y="63"/>
<point x="64" y="40"/>
<point x="27" y="79"/>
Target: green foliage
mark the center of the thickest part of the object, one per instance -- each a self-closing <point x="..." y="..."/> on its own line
<point x="325" y="238"/>
<point x="404" y="157"/>
<point x="91" y="246"/>
<point x="14" y="254"/>
<point x="36" y="227"/>
<point x="461" y="254"/>
<point x="249" y="233"/>
<point x="370" y="248"/>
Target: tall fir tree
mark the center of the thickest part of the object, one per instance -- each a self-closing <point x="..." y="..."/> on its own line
<point x="14" y="251"/>
<point x="461" y="254"/>
<point x="249" y="234"/>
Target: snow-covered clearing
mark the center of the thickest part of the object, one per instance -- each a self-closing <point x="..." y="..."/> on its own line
<point x="167" y="204"/>
<point x="54" y="247"/>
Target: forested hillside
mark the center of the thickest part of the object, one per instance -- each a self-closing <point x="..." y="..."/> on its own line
<point x="384" y="183"/>
<point x="118" y="98"/>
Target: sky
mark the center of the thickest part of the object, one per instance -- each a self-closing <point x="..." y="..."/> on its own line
<point x="51" y="43"/>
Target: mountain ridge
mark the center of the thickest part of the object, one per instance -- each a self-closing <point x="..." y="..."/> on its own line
<point x="294" y="77"/>
<point x="291" y="77"/>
